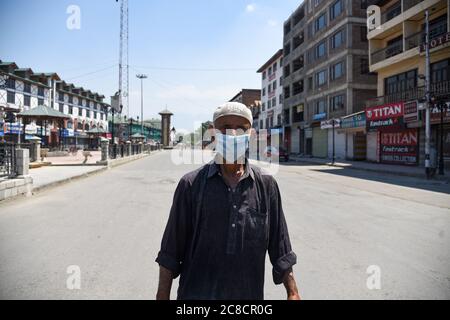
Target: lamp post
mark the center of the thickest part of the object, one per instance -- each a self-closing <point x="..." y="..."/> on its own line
<point x="442" y="108"/>
<point x="142" y="77"/>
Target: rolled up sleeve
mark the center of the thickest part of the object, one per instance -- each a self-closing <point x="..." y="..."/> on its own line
<point x="173" y="244"/>
<point x="280" y="250"/>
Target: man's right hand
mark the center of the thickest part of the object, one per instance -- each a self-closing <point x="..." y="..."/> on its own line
<point x="165" y="284"/>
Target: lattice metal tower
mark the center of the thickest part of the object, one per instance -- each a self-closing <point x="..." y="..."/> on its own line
<point x="124" y="70"/>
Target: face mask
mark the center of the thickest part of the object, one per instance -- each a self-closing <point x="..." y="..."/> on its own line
<point x="232" y="148"/>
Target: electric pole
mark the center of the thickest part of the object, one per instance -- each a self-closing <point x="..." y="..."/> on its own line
<point x="124" y="73"/>
<point x="427" y="95"/>
<point x="142" y="77"/>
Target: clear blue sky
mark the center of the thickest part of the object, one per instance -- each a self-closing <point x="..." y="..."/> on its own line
<point x="165" y="36"/>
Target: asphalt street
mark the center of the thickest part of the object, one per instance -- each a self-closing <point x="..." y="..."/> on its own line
<point x="341" y="222"/>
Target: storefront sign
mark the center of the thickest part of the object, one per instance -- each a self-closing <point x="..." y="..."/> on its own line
<point x="399" y="147"/>
<point x="354" y="121"/>
<point x="411" y="112"/>
<point x="435" y="114"/>
<point x="390" y="115"/>
<point x="437" y="42"/>
<point x="328" y="124"/>
<point x="319" y="116"/>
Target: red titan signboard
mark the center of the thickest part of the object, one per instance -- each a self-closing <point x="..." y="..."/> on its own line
<point x="399" y="146"/>
<point x="389" y="115"/>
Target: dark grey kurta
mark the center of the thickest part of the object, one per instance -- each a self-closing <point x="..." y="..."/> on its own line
<point x="220" y="254"/>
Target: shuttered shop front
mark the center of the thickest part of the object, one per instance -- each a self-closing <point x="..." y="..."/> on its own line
<point x="320" y="142"/>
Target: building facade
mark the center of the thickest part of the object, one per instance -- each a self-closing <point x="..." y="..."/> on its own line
<point x="24" y="89"/>
<point x="252" y="99"/>
<point x="270" y="116"/>
<point x="396" y="118"/>
<point x="325" y="77"/>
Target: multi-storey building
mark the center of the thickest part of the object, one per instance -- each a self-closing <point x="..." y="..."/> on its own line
<point x="326" y="76"/>
<point x="270" y="116"/>
<point x="24" y="89"/>
<point x="397" y="54"/>
<point x="252" y="99"/>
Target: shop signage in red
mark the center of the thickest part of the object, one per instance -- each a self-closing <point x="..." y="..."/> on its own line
<point x="399" y="146"/>
<point x="389" y="115"/>
<point x="435" y="114"/>
<point x="411" y="112"/>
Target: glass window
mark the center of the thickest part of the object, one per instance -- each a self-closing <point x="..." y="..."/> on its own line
<point x="320" y="50"/>
<point x="336" y="9"/>
<point x="321" y="22"/>
<point x="11" y="97"/>
<point x="26" y="100"/>
<point x="321" y="78"/>
<point x="337" y="39"/>
<point x="61" y="107"/>
<point x="337" y="70"/>
<point x="40" y="91"/>
<point x="27" y="87"/>
<point x="440" y="71"/>
<point x="40" y="102"/>
<point x="337" y="103"/>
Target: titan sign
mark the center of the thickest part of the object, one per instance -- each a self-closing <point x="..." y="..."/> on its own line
<point x="399" y="146"/>
<point x="390" y="115"/>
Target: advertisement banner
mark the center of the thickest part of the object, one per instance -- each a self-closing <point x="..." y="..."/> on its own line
<point x="399" y="146"/>
<point x="354" y="121"/>
<point x="389" y="115"/>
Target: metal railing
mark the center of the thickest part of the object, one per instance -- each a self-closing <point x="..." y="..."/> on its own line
<point x="385" y="53"/>
<point x="438" y="90"/>
<point x="8" y="160"/>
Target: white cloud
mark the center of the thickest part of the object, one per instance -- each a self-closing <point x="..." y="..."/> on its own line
<point x="250" y="7"/>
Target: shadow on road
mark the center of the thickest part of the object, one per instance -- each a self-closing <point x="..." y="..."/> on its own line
<point x="404" y="181"/>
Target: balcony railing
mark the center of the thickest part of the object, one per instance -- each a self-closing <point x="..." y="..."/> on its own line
<point x="389" y="51"/>
<point x="437" y="90"/>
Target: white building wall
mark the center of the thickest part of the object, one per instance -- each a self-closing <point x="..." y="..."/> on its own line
<point x="274" y="77"/>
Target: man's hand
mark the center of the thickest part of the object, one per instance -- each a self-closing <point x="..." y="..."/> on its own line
<point x="165" y="284"/>
<point x="290" y="285"/>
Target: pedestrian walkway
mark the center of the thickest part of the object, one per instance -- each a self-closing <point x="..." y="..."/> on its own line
<point x="50" y="176"/>
<point x="411" y="171"/>
<point x="77" y="158"/>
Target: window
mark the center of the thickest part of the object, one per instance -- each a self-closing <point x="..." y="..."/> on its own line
<point x="261" y="124"/>
<point x="287" y="92"/>
<point x="26" y="100"/>
<point x="61" y="96"/>
<point x="40" y="91"/>
<point x="321" y="107"/>
<point x="80" y="126"/>
<point x="363" y="31"/>
<point x="310" y="83"/>
<point x="337" y="39"/>
<point x="364" y="66"/>
<point x="61" y="107"/>
<point x="440" y="71"/>
<point x="281" y="81"/>
<point x="364" y="4"/>
<point x="270" y="71"/>
<point x="287" y="116"/>
<point x="336" y="9"/>
<point x="320" y="50"/>
<point x="40" y="102"/>
<point x="321" y="23"/>
<point x="264" y="92"/>
<point x="394" y="11"/>
<point x="275" y="67"/>
<point x="280" y="99"/>
<point x="298" y="40"/>
<point x="27" y="87"/>
<point x="287" y="49"/>
<point x="274" y="102"/>
<point x="11" y="98"/>
<point x="287" y="70"/>
<point x="264" y="107"/>
<point x="95" y="115"/>
<point x="297" y="87"/>
<point x="70" y="99"/>
<point x="337" y="71"/>
<point x="264" y="75"/>
<point x="279" y="120"/>
<point x="269" y="104"/>
<point x="71" y="110"/>
<point x="274" y="86"/>
<point x="321" y="78"/>
<point x="296" y="115"/>
<point x="80" y="102"/>
<point x="400" y="82"/>
<point x="298" y="63"/>
<point x="80" y="112"/>
<point x="337" y="103"/>
<point x="11" y="84"/>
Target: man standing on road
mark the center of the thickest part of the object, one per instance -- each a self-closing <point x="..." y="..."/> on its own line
<point x="224" y="218"/>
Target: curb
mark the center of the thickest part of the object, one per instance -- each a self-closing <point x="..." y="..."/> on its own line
<point x="396" y="173"/>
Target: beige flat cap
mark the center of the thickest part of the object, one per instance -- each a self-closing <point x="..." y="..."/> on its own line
<point x="233" y="109"/>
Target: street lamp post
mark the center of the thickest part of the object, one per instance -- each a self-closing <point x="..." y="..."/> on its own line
<point x="442" y="109"/>
<point x="142" y="77"/>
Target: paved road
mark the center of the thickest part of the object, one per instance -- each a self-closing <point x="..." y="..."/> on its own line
<point x="341" y="222"/>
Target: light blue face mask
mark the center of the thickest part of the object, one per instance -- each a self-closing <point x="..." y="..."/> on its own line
<point x="232" y="148"/>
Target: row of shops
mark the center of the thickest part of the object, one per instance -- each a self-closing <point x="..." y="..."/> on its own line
<point x="392" y="134"/>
